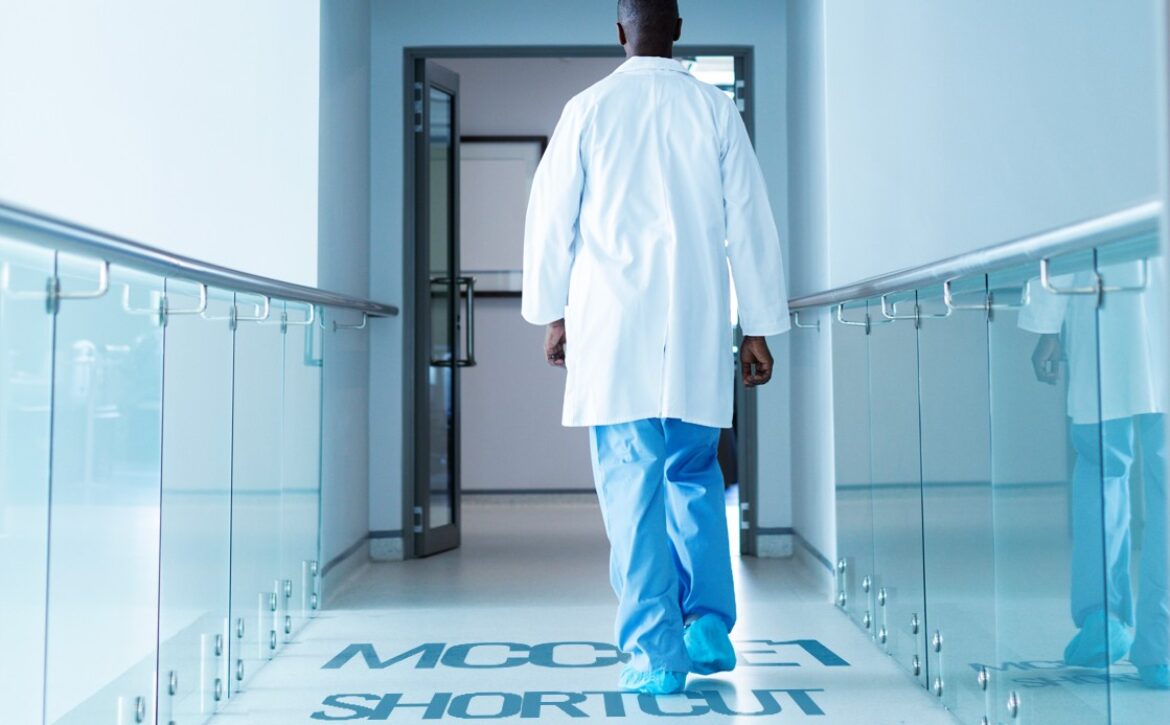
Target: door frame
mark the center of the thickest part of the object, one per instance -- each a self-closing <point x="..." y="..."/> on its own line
<point x="746" y="398"/>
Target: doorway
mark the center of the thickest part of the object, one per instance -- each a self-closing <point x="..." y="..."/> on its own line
<point x="485" y="406"/>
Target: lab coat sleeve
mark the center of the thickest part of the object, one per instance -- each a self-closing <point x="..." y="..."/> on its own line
<point x="753" y="244"/>
<point x="1043" y="312"/>
<point x="551" y="223"/>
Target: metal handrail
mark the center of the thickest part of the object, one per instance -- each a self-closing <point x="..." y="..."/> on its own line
<point x="1062" y="240"/>
<point x="65" y="236"/>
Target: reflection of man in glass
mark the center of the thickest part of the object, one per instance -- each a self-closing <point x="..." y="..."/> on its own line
<point x="1126" y="358"/>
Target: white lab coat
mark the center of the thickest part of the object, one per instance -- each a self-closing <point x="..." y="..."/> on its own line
<point x="1128" y="334"/>
<point x="648" y="190"/>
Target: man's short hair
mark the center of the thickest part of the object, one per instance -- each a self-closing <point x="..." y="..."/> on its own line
<point x="652" y="20"/>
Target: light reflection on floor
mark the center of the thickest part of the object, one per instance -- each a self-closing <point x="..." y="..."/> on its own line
<point x="731" y="500"/>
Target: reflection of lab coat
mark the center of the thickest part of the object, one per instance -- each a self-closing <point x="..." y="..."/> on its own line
<point x="1131" y="335"/>
<point x="648" y="189"/>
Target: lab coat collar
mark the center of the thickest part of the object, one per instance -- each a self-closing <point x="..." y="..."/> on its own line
<point x="650" y="62"/>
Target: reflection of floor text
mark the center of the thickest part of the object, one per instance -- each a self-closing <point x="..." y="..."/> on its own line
<point x="1053" y="673"/>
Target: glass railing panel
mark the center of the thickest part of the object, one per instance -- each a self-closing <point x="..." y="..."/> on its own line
<point x="26" y="372"/>
<point x="851" y="460"/>
<point x="300" y="464"/>
<point x="1133" y="371"/>
<point x="1046" y="484"/>
<point x="104" y="531"/>
<point x="196" y="504"/>
<point x="896" y="590"/>
<point x="956" y="494"/>
<point x="256" y="490"/>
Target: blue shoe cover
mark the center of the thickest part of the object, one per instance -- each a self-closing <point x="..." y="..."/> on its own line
<point x="1103" y="639"/>
<point x="655" y="682"/>
<point x="1155" y="677"/>
<point x="708" y="646"/>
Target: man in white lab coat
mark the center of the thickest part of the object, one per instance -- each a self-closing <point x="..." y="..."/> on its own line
<point x="649" y="189"/>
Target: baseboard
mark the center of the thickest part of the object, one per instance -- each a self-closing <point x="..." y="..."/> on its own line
<point x="527" y="491"/>
<point x="817" y="565"/>
<point x="530" y="498"/>
<point x="387" y="546"/>
<point x="340" y="567"/>
<point x="774" y="546"/>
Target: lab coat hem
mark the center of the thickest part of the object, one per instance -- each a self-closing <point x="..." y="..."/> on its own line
<point x="542" y="317"/>
<point x="1038" y="328"/>
<point x="599" y="421"/>
<point x="1079" y="418"/>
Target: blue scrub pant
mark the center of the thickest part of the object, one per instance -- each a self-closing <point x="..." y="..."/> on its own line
<point x="661" y="494"/>
<point x="1101" y="531"/>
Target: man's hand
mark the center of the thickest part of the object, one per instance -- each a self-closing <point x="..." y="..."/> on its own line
<point x="1046" y="359"/>
<point x="554" y="343"/>
<point x="756" y="361"/>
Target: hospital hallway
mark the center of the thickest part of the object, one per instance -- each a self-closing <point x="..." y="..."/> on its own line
<point x="329" y="328"/>
<point x="548" y="586"/>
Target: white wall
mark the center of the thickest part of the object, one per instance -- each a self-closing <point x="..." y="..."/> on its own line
<point x="512" y="436"/>
<point x="810" y="382"/>
<point x="395" y="25"/>
<point x="515" y="96"/>
<point x="344" y="199"/>
<point x="188" y="126"/>
<point x="956" y="125"/>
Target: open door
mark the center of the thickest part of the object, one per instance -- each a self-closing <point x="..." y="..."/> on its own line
<point x="443" y="344"/>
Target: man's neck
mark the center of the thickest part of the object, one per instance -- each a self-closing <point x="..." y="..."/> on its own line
<point x="650" y="52"/>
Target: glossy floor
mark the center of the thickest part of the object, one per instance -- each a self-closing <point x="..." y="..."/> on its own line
<point x="515" y="626"/>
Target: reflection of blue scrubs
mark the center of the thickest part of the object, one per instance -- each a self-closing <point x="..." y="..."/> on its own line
<point x="1091" y="497"/>
<point x="661" y="494"/>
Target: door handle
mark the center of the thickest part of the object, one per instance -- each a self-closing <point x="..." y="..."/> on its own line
<point x="469" y="330"/>
<point x="457" y="284"/>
